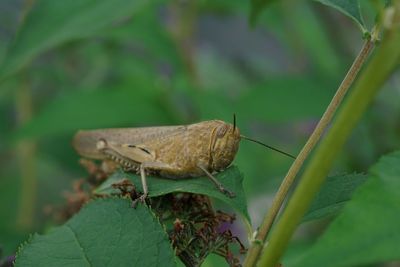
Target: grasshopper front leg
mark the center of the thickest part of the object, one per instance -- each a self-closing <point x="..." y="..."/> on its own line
<point x="219" y="186"/>
<point x="166" y="167"/>
<point x="163" y="166"/>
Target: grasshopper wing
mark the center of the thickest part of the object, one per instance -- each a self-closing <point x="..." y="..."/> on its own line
<point x="85" y="141"/>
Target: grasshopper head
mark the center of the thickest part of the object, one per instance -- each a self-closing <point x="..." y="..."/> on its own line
<point x="224" y="145"/>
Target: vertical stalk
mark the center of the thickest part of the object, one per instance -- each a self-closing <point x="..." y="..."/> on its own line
<point x="376" y="73"/>
<point x="326" y="118"/>
<point x="25" y="151"/>
<point x="26" y="158"/>
<point x="183" y="26"/>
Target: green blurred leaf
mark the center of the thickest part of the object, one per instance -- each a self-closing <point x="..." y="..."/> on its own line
<point x="106" y="232"/>
<point x="285" y="99"/>
<point x="148" y="32"/>
<point x="310" y="35"/>
<point x="95" y="109"/>
<point x="334" y="194"/>
<point x="10" y="183"/>
<point x="256" y="8"/>
<point x="223" y="6"/>
<point x="231" y="178"/>
<point x="50" y="23"/>
<point x="367" y="230"/>
<point x="350" y="8"/>
<point x="213" y="260"/>
<point x="304" y="37"/>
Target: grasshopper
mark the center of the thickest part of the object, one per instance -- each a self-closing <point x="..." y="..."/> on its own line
<point x="174" y="152"/>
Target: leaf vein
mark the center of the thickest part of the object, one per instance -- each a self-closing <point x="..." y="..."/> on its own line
<point x="79" y="244"/>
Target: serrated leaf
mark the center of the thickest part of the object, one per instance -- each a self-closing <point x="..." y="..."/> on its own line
<point x="231" y="178"/>
<point x="367" y="230"/>
<point x="350" y="8"/>
<point x="106" y="232"/>
<point x="50" y="23"/>
<point x="334" y="194"/>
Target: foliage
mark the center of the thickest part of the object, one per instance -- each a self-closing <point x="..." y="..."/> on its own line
<point x="69" y="65"/>
<point x="366" y="231"/>
<point x="230" y="178"/>
<point x="334" y="194"/>
<point x="78" y="242"/>
<point x="349" y="8"/>
<point x="67" y="21"/>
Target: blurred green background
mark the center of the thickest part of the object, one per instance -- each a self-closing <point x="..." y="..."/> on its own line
<point x="87" y="64"/>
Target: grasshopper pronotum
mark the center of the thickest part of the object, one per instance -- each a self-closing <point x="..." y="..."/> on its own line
<point x="168" y="151"/>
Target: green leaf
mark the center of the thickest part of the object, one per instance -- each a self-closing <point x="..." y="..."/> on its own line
<point x="367" y="230"/>
<point x="284" y="99"/>
<point x="106" y="232"/>
<point x="256" y="8"/>
<point x="231" y="178"/>
<point x="50" y="23"/>
<point x="148" y="32"/>
<point x="350" y="8"/>
<point x="334" y="194"/>
<point x="94" y="109"/>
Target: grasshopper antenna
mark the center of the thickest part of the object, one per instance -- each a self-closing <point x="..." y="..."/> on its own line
<point x="234" y="122"/>
<point x="270" y="147"/>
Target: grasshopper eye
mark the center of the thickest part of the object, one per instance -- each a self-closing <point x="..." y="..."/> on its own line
<point x="234" y="123"/>
<point x="221" y="131"/>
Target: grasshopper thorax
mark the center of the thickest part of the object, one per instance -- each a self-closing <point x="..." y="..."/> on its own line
<point x="224" y="145"/>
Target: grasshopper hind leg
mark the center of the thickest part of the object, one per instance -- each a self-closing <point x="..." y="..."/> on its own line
<point x="219" y="186"/>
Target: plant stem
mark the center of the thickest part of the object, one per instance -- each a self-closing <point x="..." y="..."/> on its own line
<point x="183" y="24"/>
<point x="326" y="118"/>
<point x="374" y="76"/>
<point x="26" y="149"/>
<point x="26" y="158"/>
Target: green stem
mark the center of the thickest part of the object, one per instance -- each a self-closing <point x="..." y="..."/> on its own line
<point x="184" y="19"/>
<point x="326" y="118"/>
<point x="374" y="76"/>
<point x="26" y="149"/>
<point x="26" y="158"/>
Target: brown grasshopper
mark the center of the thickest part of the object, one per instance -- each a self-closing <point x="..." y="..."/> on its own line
<point x="168" y="151"/>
